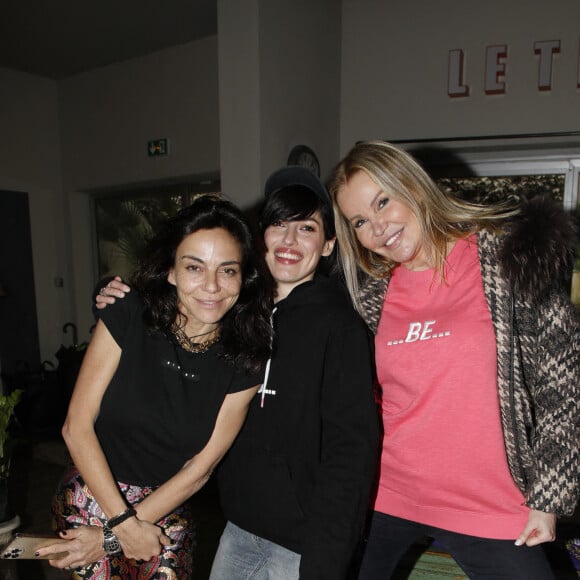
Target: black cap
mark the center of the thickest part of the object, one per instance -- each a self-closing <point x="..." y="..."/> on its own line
<point x="297" y="175"/>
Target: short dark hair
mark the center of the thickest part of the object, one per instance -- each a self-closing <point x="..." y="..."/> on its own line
<point x="294" y="203"/>
<point x="294" y="193"/>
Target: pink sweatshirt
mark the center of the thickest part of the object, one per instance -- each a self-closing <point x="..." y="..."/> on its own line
<point x="443" y="460"/>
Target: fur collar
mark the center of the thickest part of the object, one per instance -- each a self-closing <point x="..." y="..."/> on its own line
<point x="538" y="248"/>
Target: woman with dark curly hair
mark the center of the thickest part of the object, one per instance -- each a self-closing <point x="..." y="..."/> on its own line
<point x="162" y="393"/>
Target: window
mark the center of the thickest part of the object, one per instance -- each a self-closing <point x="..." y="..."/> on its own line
<point x="495" y="188"/>
<point x="491" y="181"/>
<point x="124" y="222"/>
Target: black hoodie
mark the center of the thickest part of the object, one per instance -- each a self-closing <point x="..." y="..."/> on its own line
<point x="301" y="469"/>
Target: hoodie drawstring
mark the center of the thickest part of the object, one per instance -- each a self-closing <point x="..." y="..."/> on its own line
<point x="263" y="389"/>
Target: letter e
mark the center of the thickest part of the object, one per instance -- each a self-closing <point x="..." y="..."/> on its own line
<point x="495" y="69"/>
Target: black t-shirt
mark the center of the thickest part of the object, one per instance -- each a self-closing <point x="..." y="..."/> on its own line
<point x="161" y="405"/>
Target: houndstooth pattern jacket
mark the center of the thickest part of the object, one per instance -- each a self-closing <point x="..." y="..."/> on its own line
<point x="537" y="333"/>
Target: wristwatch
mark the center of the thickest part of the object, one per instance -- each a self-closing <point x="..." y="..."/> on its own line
<point x="111" y="544"/>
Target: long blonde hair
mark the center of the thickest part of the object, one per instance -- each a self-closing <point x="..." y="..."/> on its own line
<point x="442" y="217"/>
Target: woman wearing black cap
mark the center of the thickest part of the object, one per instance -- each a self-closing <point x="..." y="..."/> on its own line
<point x="295" y="485"/>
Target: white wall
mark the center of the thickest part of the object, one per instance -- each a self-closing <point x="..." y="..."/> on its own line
<point x="107" y="117"/>
<point x="300" y="74"/>
<point x="279" y="67"/>
<point x="395" y="65"/>
<point x="30" y="162"/>
<point x="239" y="102"/>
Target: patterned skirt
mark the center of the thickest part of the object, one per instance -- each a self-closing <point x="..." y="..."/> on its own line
<point x="74" y="505"/>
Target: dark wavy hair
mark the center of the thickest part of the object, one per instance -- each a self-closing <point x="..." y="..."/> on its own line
<point x="245" y="328"/>
<point x="295" y="203"/>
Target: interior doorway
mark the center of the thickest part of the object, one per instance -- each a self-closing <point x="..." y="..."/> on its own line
<point x="19" y="344"/>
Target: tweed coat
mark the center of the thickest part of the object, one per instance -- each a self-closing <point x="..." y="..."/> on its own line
<point x="537" y="332"/>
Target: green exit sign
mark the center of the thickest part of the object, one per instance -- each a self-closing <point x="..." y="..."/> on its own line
<point x="157" y="147"/>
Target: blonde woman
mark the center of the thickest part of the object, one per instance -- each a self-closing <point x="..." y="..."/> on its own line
<point x="477" y="354"/>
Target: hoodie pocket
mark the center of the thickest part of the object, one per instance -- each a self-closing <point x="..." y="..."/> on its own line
<point x="259" y="483"/>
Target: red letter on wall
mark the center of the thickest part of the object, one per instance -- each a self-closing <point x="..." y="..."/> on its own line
<point x="546" y="49"/>
<point x="495" y="69"/>
<point x="455" y="86"/>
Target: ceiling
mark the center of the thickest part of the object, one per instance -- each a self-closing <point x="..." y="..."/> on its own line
<point x="61" y="38"/>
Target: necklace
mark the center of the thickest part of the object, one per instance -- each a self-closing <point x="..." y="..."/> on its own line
<point x="186" y="343"/>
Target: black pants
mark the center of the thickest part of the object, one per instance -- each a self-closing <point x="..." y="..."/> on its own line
<point x="390" y="537"/>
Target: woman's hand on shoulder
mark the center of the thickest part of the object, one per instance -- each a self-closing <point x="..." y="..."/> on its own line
<point x="84" y="546"/>
<point x="540" y="528"/>
<point x="140" y="540"/>
<point x="114" y="289"/>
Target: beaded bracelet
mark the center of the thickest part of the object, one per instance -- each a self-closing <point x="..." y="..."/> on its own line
<point x="120" y="518"/>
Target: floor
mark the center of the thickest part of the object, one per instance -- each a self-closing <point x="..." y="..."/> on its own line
<point x="38" y="465"/>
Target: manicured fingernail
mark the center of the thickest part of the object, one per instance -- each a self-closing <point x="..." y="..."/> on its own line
<point x="36" y="554"/>
<point x="518" y="542"/>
